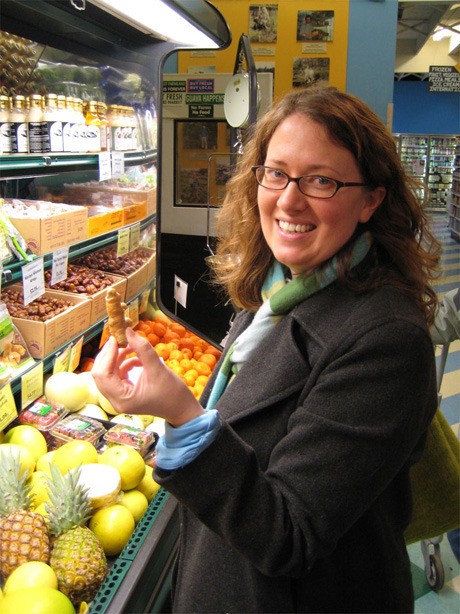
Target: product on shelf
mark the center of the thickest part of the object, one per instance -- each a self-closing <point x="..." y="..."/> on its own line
<point x="77" y="427"/>
<point x="136" y="438"/>
<point x="106" y="259"/>
<point x="81" y="280"/>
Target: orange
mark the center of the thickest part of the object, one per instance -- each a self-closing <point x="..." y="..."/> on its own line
<point x="202" y="380"/>
<point x="186" y="363"/>
<point x="203" y="368"/>
<point x="197" y="354"/>
<point x="176" y="355"/>
<point x="187" y="352"/>
<point x="190" y="378"/>
<point x="141" y="333"/>
<point x="162" y="350"/>
<point x="170" y="336"/>
<point x="178" y="328"/>
<point x="186" y="343"/>
<point x="158" y="329"/>
<point x="198" y="389"/>
<point x="209" y="359"/>
<point x="210" y="349"/>
<point x="141" y="325"/>
<point x="153" y="339"/>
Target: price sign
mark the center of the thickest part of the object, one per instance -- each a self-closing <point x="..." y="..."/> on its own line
<point x="8" y="410"/>
<point x="33" y="280"/>
<point x="118" y="163"/>
<point x="75" y="354"/>
<point x="134" y="236"/>
<point x="133" y="312"/>
<point x="105" y="168"/>
<point x="123" y="241"/>
<point x="32" y="385"/>
<point x="61" y="362"/>
<point x="59" y="267"/>
<point x="144" y="301"/>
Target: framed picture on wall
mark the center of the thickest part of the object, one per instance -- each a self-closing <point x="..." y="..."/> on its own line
<point x="263" y="23"/>
<point x="315" y="26"/>
<point x="307" y="71"/>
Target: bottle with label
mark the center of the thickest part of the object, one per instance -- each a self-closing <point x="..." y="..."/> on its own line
<point x="79" y="125"/>
<point x="53" y="120"/>
<point x="104" y="126"/>
<point x="93" y="128"/>
<point x="38" y="143"/>
<point x="5" y="125"/>
<point x="132" y="123"/>
<point x="67" y="118"/>
<point x="116" y="127"/>
<point x="19" y="129"/>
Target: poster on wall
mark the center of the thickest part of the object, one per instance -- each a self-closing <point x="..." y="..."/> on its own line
<point x="263" y="23"/>
<point x="307" y="71"/>
<point x="315" y="26"/>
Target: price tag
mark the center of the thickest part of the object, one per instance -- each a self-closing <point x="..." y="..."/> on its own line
<point x="118" y="163"/>
<point x="33" y="280"/>
<point x="133" y="312"/>
<point x="123" y="241"/>
<point x="75" y="354"/>
<point x="105" y="168"/>
<point x="144" y="301"/>
<point x="59" y="267"/>
<point x="134" y="236"/>
<point x="31" y="385"/>
<point x="61" y="362"/>
<point x="8" y="410"/>
<point x="104" y="335"/>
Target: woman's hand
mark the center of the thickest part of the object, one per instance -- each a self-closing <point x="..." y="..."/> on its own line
<point x="157" y="390"/>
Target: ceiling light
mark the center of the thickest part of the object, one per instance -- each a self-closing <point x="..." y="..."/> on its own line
<point x="155" y="17"/>
<point x="441" y="33"/>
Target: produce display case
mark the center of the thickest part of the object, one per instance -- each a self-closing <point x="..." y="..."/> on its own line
<point x="86" y="33"/>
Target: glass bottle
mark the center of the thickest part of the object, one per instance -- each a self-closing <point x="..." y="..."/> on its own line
<point x="36" y="125"/>
<point x="5" y="125"/>
<point x="19" y="128"/>
<point x="53" y="121"/>
<point x="93" y="128"/>
<point x="104" y="126"/>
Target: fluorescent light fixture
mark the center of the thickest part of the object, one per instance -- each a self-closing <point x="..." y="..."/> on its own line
<point x="155" y="17"/>
<point x="441" y="33"/>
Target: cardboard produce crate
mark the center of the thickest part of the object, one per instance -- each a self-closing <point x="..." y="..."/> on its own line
<point x="138" y="280"/>
<point x="44" y="338"/>
<point x="47" y="234"/>
<point x="105" y="222"/>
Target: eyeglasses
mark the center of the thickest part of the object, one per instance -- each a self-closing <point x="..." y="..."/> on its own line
<point x="316" y="186"/>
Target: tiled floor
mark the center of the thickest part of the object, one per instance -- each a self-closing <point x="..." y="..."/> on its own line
<point x="447" y="599"/>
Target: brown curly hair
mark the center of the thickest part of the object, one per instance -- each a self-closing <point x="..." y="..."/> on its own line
<point x="404" y="254"/>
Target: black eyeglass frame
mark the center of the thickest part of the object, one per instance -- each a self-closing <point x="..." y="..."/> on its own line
<point x="338" y="184"/>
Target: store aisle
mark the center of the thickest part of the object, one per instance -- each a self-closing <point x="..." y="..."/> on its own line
<point x="447" y="600"/>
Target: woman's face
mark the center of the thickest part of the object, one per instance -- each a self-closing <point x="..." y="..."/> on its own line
<point x="301" y="231"/>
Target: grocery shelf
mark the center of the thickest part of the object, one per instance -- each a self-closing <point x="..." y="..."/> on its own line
<point x="13" y="166"/>
<point x="138" y="580"/>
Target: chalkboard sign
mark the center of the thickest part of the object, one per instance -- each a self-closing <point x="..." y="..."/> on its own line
<point x="443" y="79"/>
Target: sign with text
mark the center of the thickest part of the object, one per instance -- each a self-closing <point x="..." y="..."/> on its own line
<point x="443" y="79"/>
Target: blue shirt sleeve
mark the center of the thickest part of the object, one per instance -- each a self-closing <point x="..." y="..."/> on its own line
<point x="181" y="445"/>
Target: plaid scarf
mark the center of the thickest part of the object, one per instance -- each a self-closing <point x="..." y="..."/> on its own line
<point x="279" y="297"/>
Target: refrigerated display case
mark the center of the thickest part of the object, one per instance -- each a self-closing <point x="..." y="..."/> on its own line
<point x="454" y="198"/>
<point x="72" y="39"/>
<point x="429" y="158"/>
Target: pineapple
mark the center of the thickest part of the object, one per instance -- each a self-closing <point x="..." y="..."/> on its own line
<point x="23" y="534"/>
<point x="77" y="556"/>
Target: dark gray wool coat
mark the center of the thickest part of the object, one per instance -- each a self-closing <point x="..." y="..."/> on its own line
<point x="300" y="503"/>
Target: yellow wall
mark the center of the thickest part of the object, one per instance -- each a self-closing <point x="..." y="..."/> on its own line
<point x="236" y="13"/>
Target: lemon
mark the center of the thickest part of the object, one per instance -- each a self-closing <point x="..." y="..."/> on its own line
<point x="74" y="453"/>
<point x="106" y="405"/>
<point x="29" y="575"/>
<point x="113" y="525"/>
<point x="43" y="463"/>
<point x="41" y="509"/>
<point x="39" y="487"/>
<point x="136" y="502"/>
<point x="29" y="437"/>
<point x="147" y="486"/>
<point x="41" y="600"/>
<point x="26" y="458"/>
<point x="129" y="463"/>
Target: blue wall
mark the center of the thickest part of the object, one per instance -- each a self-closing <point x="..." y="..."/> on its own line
<point x="371" y="52"/>
<point x="418" y="111"/>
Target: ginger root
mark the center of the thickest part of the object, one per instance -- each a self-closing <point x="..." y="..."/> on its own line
<point x="118" y="322"/>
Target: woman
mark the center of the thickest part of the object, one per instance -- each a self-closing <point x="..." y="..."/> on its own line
<point x="293" y="483"/>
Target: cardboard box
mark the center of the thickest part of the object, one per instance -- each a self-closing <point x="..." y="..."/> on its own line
<point x="44" y="338"/>
<point x="134" y="213"/>
<point x="137" y="281"/>
<point x="100" y="224"/>
<point x="45" y="235"/>
<point x="111" y="195"/>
